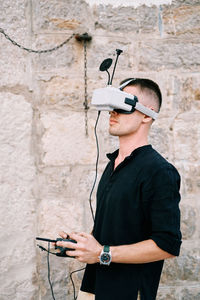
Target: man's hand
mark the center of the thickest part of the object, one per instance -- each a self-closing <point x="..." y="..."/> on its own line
<point x="87" y="248"/>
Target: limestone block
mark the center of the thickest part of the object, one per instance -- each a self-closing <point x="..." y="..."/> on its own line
<point x="61" y="214"/>
<point x="190" y="93"/>
<point x="14" y="61"/>
<point x="68" y="192"/>
<point x="189" y="221"/>
<point x="178" y="3"/>
<point x="168" y="293"/>
<point x="60" y="59"/>
<point x="180" y="94"/>
<point x="185" y="267"/>
<point x="182" y="20"/>
<point x="186" y="137"/>
<point x="64" y="140"/>
<point x="11" y="18"/>
<point x="56" y="16"/>
<point x="161" y="138"/>
<point x="17" y="175"/>
<point x="63" y="92"/>
<point x="191" y="293"/>
<point x="148" y="19"/>
<point x="190" y="177"/>
<point x="126" y="19"/>
<point x="13" y="66"/>
<point x="168" y="54"/>
<point x="72" y="182"/>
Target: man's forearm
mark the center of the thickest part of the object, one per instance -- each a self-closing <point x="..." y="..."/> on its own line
<point x="142" y="252"/>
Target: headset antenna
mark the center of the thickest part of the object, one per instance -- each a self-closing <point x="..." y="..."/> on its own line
<point x="118" y="51"/>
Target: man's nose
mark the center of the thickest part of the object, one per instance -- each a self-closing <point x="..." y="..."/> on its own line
<point x="113" y="113"/>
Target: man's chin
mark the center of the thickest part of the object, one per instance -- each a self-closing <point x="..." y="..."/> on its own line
<point x="113" y="132"/>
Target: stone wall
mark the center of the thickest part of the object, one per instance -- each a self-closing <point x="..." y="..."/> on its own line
<point x="47" y="161"/>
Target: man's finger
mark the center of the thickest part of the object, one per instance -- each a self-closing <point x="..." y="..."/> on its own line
<point x="66" y="244"/>
<point x="63" y="234"/>
<point x="84" y="234"/>
<point x="74" y="254"/>
<point x="77" y="237"/>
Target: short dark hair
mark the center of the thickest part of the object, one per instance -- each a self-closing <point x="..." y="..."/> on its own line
<point x="144" y="83"/>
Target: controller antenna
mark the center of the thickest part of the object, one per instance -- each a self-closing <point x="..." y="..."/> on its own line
<point x="118" y="51"/>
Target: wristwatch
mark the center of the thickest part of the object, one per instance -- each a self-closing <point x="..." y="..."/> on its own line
<point x="105" y="256"/>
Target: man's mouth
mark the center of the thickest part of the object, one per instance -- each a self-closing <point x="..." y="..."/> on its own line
<point x="113" y="121"/>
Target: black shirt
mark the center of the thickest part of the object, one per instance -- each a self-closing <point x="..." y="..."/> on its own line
<point x="135" y="202"/>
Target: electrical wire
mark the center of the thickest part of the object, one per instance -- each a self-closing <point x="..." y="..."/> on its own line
<point x="90" y="202"/>
<point x="74" y="289"/>
<point x="108" y="83"/>
<point x="49" y="279"/>
<point x="96" y="165"/>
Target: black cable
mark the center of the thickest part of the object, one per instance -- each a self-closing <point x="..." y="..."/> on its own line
<point x="74" y="289"/>
<point x="108" y="77"/>
<point x="90" y="197"/>
<point x="49" y="271"/>
<point x="90" y="202"/>
<point x="96" y="168"/>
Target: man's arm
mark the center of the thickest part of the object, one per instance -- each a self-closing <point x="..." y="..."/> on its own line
<point x="88" y="249"/>
<point x="142" y="252"/>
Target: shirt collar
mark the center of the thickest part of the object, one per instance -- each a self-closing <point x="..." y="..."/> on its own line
<point x="112" y="156"/>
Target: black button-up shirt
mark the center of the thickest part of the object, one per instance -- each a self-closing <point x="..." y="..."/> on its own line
<point x="135" y="202"/>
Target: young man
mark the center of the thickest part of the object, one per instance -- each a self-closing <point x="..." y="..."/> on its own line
<point x="137" y="221"/>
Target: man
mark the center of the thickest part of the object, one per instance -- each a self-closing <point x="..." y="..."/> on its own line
<point x="137" y="221"/>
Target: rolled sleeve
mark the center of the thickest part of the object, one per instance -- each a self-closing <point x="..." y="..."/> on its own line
<point x="165" y="212"/>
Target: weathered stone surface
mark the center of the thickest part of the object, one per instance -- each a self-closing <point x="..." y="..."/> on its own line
<point x="67" y="144"/>
<point x="185" y="267"/>
<point x="126" y="19"/>
<point x="47" y="161"/>
<point x="13" y="61"/>
<point x="178" y="3"/>
<point x="170" y="293"/>
<point x="192" y="293"/>
<point x="169" y="54"/>
<point x="190" y="178"/>
<point x="49" y="16"/>
<point x="18" y="211"/>
<point x="161" y="137"/>
<point x="182" y="20"/>
<point x="186" y="146"/>
<point x="189" y="222"/>
<point x="47" y="61"/>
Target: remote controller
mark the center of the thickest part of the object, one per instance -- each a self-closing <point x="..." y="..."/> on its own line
<point x="62" y="252"/>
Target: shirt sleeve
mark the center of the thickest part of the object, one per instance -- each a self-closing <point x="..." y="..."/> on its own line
<point x="164" y="210"/>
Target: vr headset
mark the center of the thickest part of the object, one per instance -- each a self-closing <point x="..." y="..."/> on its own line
<point x="114" y="99"/>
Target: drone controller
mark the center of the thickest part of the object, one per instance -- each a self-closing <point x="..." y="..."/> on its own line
<point x="62" y="250"/>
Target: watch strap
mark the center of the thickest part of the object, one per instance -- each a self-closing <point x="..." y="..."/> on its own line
<point x="106" y="248"/>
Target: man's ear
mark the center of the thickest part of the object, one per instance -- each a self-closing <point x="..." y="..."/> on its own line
<point x="146" y="118"/>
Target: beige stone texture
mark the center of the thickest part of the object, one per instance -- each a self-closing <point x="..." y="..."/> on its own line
<point x="47" y="164"/>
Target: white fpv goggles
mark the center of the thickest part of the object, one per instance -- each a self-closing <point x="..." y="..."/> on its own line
<point x="111" y="98"/>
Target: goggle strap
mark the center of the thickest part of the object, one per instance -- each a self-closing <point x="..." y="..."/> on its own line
<point x="145" y="110"/>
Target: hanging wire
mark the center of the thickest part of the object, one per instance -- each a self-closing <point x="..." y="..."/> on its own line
<point x="96" y="165"/>
<point x="49" y="278"/>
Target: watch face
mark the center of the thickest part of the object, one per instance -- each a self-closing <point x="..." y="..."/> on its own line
<point x="105" y="257"/>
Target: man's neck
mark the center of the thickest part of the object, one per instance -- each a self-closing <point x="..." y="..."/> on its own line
<point x="127" y="145"/>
